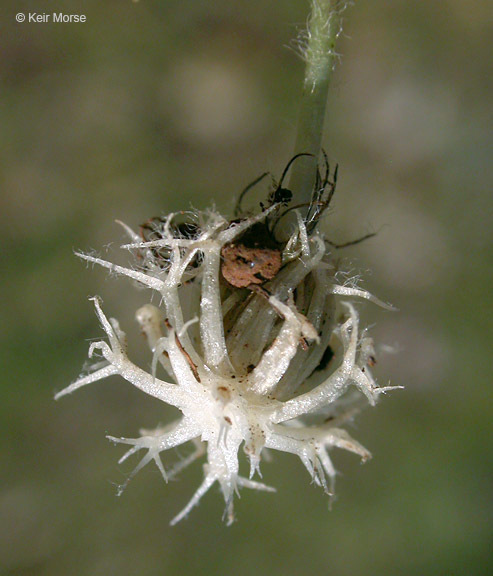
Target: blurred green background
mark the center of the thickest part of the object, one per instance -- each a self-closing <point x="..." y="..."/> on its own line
<point x="150" y="107"/>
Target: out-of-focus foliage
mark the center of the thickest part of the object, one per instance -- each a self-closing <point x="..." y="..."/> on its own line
<point x="149" y="107"/>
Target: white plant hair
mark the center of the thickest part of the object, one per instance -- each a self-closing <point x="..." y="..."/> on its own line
<point x="245" y="368"/>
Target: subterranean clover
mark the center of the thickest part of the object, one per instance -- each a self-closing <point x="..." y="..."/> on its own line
<point x="247" y="367"/>
<point x="255" y="340"/>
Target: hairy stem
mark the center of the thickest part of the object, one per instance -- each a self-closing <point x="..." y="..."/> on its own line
<point x="318" y="50"/>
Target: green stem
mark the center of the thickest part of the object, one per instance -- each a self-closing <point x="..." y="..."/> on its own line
<point x="324" y="26"/>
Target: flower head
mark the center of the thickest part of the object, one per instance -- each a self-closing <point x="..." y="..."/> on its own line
<point x="252" y="366"/>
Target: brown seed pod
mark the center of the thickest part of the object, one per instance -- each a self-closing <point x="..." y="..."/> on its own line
<point x="256" y="256"/>
<point x="252" y="259"/>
